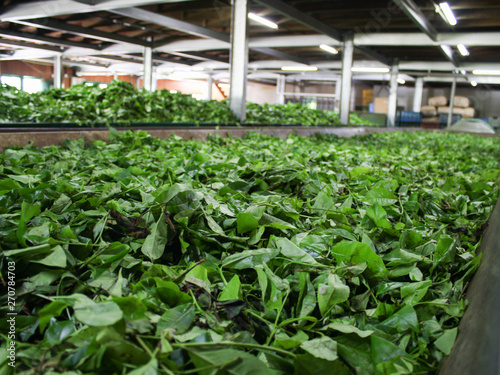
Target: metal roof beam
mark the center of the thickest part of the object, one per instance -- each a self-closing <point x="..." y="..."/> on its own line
<point x="304" y="19"/>
<point x="138" y="59"/>
<point x="448" y="53"/>
<point x="22" y="44"/>
<point x="72" y="63"/>
<point x="50" y="8"/>
<point x="169" y="22"/>
<point x="415" y="14"/>
<point x="158" y="57"/>
<point x="45" y="39"/>
<point x="373" y="54"/>
<point x="29" y="54"/>
<point x="281" y="55"/>
<point x="360" y="40"/>
<point x="201" y="56"/>
<point x="188" y="28"/>
<point x="121" y="58"/>
<point x="476" y="39"/>
<point x="315" y="24"/>
<point x="56" y="25"/>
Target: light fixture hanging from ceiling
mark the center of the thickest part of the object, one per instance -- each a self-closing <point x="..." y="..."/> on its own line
<point x="447" y="13"/>
<point x="328" y="48"/>
<point x="262" y="20"/>
<point x="463" y="50"/>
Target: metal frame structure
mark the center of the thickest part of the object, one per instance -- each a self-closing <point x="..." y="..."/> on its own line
<point x="393" y="95"/>
<point x="346" y="80"/>
<point x="49" y="18"/>
<point x="239" y="58"/>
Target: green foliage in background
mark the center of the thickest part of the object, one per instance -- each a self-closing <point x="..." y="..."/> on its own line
<point x="242" y="256"/>
<point x="121" y="102"/>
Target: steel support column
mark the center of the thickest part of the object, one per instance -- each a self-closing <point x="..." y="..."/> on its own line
<point x="452" y="103"/>
<point x="58" y="71"/>
<point x="148" y="68"/>
<point x="336" y="106"/>
<point x="154" y="80"/>
<point x="345" y="89"/>
<point x="417" y="98"/>
<point x="239" y="58"/>
<point x="280" y="89"/>
<point x="210" y="82"/>
<point x="352" y="107"/>
<point x="393" y="96"/>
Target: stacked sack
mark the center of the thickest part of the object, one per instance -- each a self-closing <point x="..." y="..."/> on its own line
<point x="439" y="104"/>
<point x="461" y="107"/>
<point x="430" y="112"/>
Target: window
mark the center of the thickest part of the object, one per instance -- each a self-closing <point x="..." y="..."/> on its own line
<point x="25" y="83"/>
<point x="32" y="85"/>
<point x="11" y="81"/>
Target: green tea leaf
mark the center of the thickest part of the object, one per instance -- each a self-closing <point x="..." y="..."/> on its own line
<point x="178" y="319"/>
<point x="323" y="348"/>
<point x="154" y="245"/>
<point x="232" y="290"/>
<point x="357" y="252"/>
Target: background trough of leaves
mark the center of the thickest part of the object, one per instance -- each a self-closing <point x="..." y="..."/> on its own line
<point x="122" y="103"/>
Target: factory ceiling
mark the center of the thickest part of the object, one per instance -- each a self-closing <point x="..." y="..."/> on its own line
<point x="412" y="33"/>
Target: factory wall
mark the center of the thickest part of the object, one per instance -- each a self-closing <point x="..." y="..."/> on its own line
<point x="261" y="93"/>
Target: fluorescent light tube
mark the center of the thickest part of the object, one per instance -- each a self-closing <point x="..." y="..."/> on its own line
<point x="448" y="13"/>
<point x="401" y="81"/>
<point x="328" y="49"/>
<point x="262" y="20"/>
<point x="197" y="68"/>
<point x="463" y="50"/>
<point x="481" y="72"/>
<point x="300" y="68"/>
<point x="473" y="83"/>
<point x="369" y="70"/>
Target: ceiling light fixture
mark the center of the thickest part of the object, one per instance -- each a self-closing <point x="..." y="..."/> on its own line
<point x="473" y="83"/>
<point x="299" y="68"/>
<point x="197" y="68"/>
<point x="262" y="20"/>
<point x="481" y="72"/>
<point x="463" y="50"/>
<point x="328" y="49"/>
<point x="369" y="70"/>
<point x="401" y="81"/>
<point x="448" y="13"/>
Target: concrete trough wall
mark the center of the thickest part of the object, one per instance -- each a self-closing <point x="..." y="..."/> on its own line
<point x="477" y="349"/>
<point x="46" y="137"/>
<point x="42" y="137"/>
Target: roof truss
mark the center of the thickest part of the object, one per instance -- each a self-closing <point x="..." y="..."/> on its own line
<point x="56" y="25"/>
<point x="316" y="25"/>
<point x="51" y="8"/>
